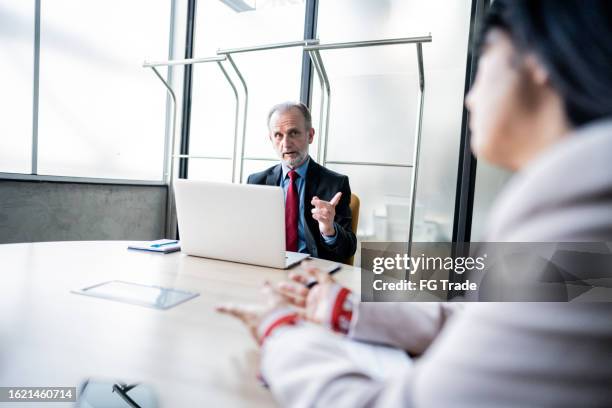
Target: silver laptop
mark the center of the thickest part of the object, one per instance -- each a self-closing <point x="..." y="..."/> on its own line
<point x="233" y="222"/>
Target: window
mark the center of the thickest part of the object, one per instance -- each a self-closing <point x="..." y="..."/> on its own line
<point x="272" y="76"/>
<point x="17" y="67"/>
<point x="100" y="114"/>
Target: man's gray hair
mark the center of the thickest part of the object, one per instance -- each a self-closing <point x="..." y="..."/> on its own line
<point x="286" y="106"/>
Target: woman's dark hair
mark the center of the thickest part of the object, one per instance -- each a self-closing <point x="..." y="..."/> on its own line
<point x="573" y="39"/>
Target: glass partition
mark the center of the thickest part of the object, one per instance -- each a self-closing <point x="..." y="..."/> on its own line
<point x="374" y="109"/>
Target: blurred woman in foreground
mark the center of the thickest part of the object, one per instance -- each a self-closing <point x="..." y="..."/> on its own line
<point x="541" y="105"/>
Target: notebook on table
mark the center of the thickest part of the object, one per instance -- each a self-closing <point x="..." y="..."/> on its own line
<point x="161" y="245"/>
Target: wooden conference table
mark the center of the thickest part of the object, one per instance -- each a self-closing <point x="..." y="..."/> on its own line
<point x="190" y="354"/>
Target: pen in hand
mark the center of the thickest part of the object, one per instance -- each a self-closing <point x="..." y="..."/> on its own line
<point x="311" y="283"/>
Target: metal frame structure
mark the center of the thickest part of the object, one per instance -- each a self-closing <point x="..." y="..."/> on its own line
<point x="228" y="54"/>
<point x="223" y="55"/>
<point x="36" y="87"/>
<point x="314" y="52"/>
<point x="190" y="27"/>
<point x="78" y="180"/>
<point x="310" y="31"/>
<point x="466" y="173"/>
<point x="169" y="169"/>
<point x="313" y="48"/>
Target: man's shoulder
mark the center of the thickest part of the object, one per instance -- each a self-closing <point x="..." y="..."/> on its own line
<point x="262" y="176"/>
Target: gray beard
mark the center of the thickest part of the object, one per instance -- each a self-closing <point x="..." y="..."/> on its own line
<point x="297" y="161"/>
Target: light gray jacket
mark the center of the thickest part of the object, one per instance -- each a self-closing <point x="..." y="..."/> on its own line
<point x="489" y="354"/>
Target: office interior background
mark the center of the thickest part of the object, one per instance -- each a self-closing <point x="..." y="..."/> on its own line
<point x="86" y="130"/>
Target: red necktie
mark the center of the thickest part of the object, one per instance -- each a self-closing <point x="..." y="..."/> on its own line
<point x="292" y="206"/>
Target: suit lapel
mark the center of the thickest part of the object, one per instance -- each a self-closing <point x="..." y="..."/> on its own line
<point x="313" y="176"/>
<point x="274" y="176"/>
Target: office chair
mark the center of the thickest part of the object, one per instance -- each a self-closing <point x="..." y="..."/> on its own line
<point x="354" y="206"/>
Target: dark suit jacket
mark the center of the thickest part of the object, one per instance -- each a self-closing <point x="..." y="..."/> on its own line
<point x="323" y="183"/>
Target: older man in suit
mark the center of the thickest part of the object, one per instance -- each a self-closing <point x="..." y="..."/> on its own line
<point x="317" y="214"/>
